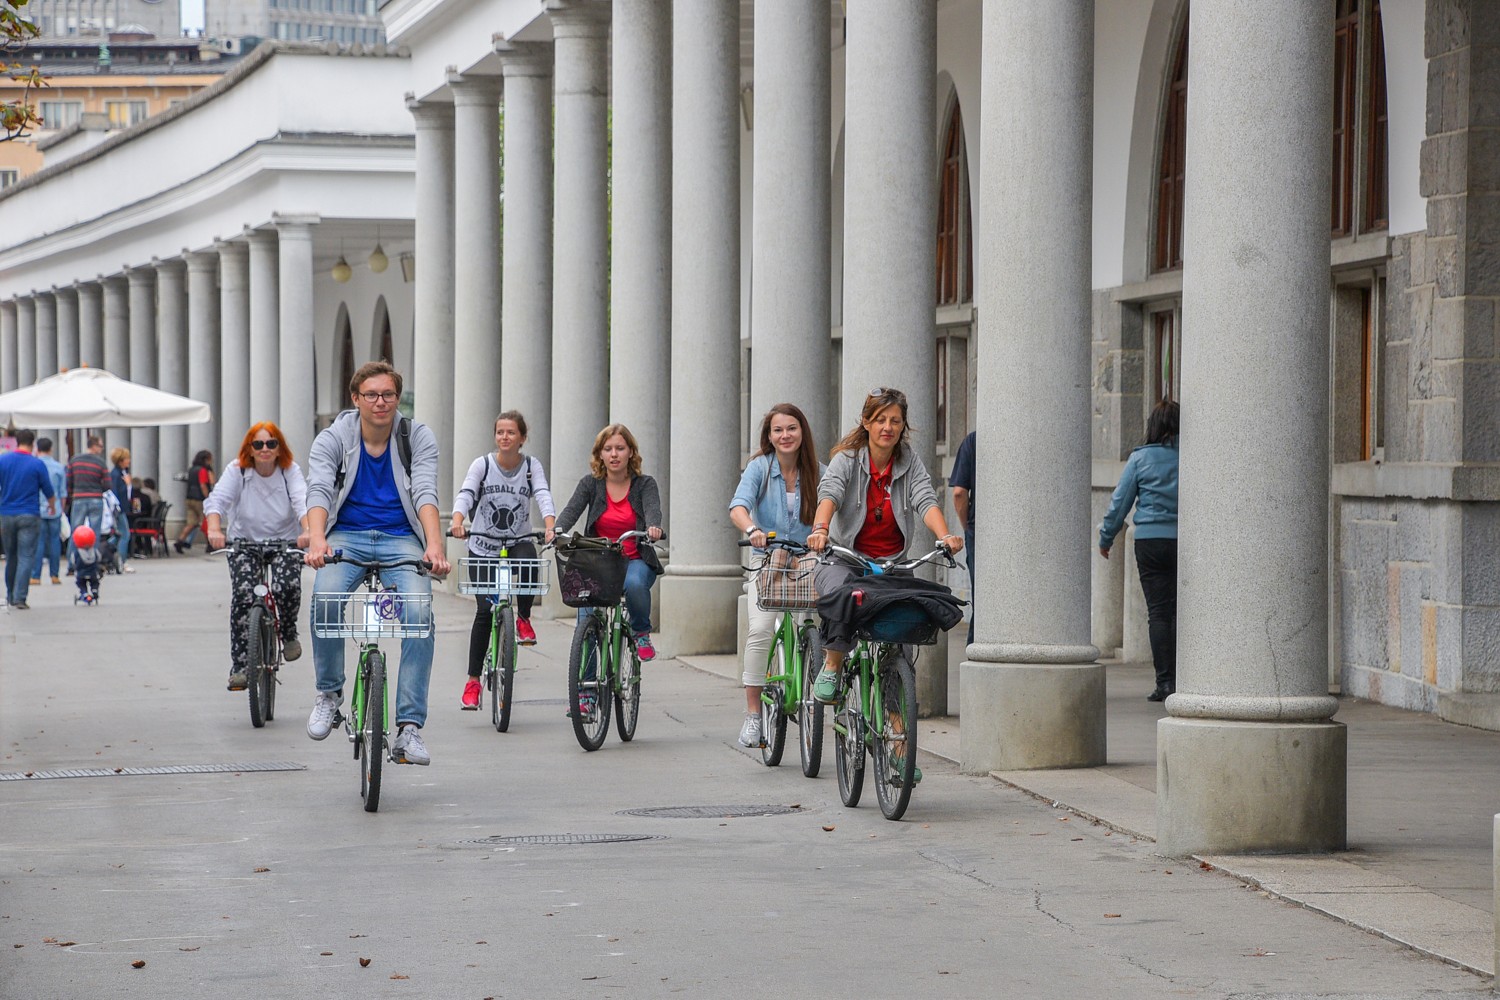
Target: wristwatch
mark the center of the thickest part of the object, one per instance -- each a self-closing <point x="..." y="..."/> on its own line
<point x="751" y="530"/>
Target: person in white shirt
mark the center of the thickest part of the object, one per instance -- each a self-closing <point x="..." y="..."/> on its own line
<point x="264" y="497"/>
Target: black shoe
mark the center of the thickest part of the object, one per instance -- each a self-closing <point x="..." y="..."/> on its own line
<point x="1160" y="694"/>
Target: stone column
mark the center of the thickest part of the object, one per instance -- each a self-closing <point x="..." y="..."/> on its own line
<point x="8" y="346"/>
<point x="46" y="335"/>
<point x="25" y="340"/>
<point x="91" y="324"/>
<point x="1030" y="692"/>
<point x="116" y="322"/>
<point x="641" y="271"/>
<point x="476" y="269"/>
<point x="890" y="229"/>
<point x="144" y="441"/>
<point x="172" y="376"/>
<point x="526" y="325"/>
<point x="297" y="412"/>
<point x="67" y="327"/>
<point x="704" y="580"/>
<point x="1249" y="759"/>
<point x="265" y="330"/>
<point x="432" y="348"/>
<point x="790" y="345"/>
<point x="203" y="348"/>
<point x="580" y="253"/>
<point x="234" y="347"/>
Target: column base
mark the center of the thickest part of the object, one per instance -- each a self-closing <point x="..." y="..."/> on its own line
<point x="698" y="614"/>
<point x="1025" y="716"/>
<point x="1226" y="787"/>
<point x="932" y="675"/>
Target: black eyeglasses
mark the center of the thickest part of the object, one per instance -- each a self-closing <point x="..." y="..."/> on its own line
<point x="271" y="445"/>
<point x="896" y="395"/>
<point x="370" y="397"/>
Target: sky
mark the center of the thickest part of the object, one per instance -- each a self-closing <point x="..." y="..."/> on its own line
<point x="192" y="15"/>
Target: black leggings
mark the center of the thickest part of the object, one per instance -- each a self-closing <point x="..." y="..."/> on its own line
<point x="1156" y="558"/>
<point x="479" y="632"/>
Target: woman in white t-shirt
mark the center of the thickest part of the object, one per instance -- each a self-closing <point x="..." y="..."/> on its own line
<point x="264" y="497"/>
<point x="496" y="500"/>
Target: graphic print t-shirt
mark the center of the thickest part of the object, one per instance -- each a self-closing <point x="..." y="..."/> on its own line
<point x="499" y="502"/>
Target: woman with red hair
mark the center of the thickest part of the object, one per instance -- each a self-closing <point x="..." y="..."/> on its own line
<point x="264" y="496"/>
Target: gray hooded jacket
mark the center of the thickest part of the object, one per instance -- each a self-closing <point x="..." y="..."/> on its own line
<point x="847" y="482"/>
<point x="342" y="440"/>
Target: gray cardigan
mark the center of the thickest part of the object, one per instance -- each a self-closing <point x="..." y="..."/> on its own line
<point x="847" y="483"/>
<point x="342" y="438"/>
<point x="590" y="496"/>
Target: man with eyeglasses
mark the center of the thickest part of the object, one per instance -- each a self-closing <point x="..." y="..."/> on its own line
<point x="372" y="493"/>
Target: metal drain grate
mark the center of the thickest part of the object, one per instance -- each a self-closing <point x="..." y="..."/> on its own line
<point x="561" y="839"/>
<point x="710" y="812"/>
<point x="111" y="772"/>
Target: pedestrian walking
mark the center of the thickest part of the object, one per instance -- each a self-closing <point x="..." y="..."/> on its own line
<point x="88" y="481"/>
<point x="200" y="483"/>
<point x="961" y="482"/>
<point x="120" y="486"/>
<point x="22" y="477"/>
<point x="49" y="540"/>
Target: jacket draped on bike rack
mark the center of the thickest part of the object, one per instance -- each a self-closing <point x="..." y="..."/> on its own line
<point x="889" y="607"/>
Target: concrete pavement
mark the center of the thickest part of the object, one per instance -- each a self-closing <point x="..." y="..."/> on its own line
<point x="241" y="883"/>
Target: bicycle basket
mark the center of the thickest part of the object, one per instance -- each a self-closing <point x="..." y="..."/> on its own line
<point x="901" y="623"/>
<point x="591" y="576"/>
<point x="784" y="582"/>
<point x="503" y="577"/>
<point x="381" y="615"/>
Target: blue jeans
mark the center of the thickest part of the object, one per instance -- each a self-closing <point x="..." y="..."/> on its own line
<point x="89" y="511"/>
<point x="48" y="546"/>
<point x="638" y="582"/>
<point x="18" y="534"/>
<point x="342" y="578"/>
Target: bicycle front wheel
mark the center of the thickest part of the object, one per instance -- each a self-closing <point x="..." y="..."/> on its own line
<point x="849" y="741"/>
<point x="809" y="709"/>
<point x="627" y="688"/>
<point x="588" y="684"/>
<point x="773" y="706"/>
<point x="257" y="653"/>
<point x="371" y="722"/>
<point x="893" y="736"/>
<point x="503" y="663"/>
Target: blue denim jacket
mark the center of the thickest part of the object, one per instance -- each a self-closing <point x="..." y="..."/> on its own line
<point x="1149" y="482"/>
<point x="766" y="500"/>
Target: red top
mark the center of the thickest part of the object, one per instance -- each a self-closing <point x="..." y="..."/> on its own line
<point x="618" y="518"/>
<point x="880" y="537"/>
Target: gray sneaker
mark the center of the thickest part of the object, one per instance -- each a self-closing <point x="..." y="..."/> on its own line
<point x="409" y="748"/>
<point x="750" y="735"/>
<point x="291" y="650"/>
<point x="237" y="679"/>
<point x="324" y="709"/>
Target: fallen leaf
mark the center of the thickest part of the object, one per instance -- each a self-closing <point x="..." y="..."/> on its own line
<point x="397" y="975"/>
<point x="481" y="942"/>
<point x="353" y="936"/>
<point x="261" y="870"/>
<point x="1077" y="838"/>
<point x="795" y="805"/>
<point x="589" y="979"/>
<point x="139" y="963"/>
<point x="1167" y="872"/>
<point x="829" y="828"/>
<point x="194" y="948"/>
<point x="364" y="963"/>
<point x="325" y="954"/>
<point x="549" y="914"/>
<point x="66" y="944"/>
<point x="18" y="946"/>
<point x="1205" y="866"/>
<point x="1260" y="953"/>
<point x="1111" y="915"/>
<point x="119" y="770"/>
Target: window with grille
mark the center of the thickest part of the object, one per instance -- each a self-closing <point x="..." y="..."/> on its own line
<point x="59" y="114"/>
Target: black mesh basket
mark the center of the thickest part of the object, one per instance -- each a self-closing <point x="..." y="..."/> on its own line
<point x="901" y="623"/>
<point x="591" y="576"/>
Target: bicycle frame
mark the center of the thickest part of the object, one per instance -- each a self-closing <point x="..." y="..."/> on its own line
<point x="789" y="633"/>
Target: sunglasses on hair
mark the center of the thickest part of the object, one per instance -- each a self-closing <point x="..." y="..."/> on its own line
<point x="895" y="394"/>
<point x="272" y="444"/>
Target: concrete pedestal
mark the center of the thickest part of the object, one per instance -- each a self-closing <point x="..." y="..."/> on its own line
<point x="1225" y="787"/>
<point x="699" y="613"/>
<point x="1024" y="716"/>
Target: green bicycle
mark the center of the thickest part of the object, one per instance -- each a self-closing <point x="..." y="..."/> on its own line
<point x="784" y="587"/>
<point x="604" y="671"/>
<point x="367" y="616"/>
<point x="501" y="577"/>
<point x="877" y="705"/>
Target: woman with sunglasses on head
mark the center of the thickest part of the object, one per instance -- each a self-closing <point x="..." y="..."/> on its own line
<point x="264" y="496"/>
<point x="869" y="500"/>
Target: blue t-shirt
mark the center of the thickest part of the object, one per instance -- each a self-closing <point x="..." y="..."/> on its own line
<point x="963" y="475"/>
<point x="373" y="503"/>
<point x="22" y="476"/>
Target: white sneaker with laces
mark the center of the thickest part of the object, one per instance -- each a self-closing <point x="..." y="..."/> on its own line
<point x="409" y="748"/>
<point x="750" y="735"/>
<point x="320" y="723"/>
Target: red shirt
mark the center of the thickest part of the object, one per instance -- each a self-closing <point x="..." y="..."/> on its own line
<point x="618" y="518"/>
<point x="880" y="537"/>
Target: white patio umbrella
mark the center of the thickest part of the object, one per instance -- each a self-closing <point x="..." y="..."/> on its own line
<point x="92" y="397"/>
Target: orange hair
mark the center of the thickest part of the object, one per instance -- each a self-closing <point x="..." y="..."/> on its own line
<point x="247" y="454"/>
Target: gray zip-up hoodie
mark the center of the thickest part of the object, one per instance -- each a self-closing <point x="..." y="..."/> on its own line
<point x="847" y="483"/>
<point x="342" y="440"/>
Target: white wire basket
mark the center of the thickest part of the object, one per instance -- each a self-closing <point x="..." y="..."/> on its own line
<point x="497" y="577"/>
<point x="385" y="614"/>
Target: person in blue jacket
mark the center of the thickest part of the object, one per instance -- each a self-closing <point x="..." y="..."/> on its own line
<point x="1149" y="483"/>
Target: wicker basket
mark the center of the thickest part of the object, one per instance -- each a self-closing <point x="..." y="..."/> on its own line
<point x="784" y="582"/>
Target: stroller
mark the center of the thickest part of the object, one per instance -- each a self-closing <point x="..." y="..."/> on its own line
<point x="86" y="564"/>
<point x="109" y="540"/>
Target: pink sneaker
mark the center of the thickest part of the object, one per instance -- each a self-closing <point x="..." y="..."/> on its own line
<point x="471" y="694"/>
<point x="525" y="634"/>
<point x="643" y="648"/>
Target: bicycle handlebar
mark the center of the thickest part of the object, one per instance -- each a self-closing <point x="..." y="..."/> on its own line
<point x="939" y="550"/>
<point x="250" y="545"/>
<point x="501" y="539"/>
<point x="772" y="542"/>
<point x="574" y="537"/>
<point x="337" y="555"/>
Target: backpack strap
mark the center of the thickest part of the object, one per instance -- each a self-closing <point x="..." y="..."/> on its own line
<point x="403" y="448"/>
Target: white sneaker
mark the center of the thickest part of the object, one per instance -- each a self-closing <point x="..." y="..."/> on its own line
<point x="320" y="723"/>
<point x="750" y="735"/>
<point x="409" y="748"/>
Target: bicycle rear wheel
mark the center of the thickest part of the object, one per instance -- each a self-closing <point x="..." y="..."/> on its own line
<point x="893" y="739"/>
<point x="588" y="684"/>
<point x="627" y="693"/>
<point x="371" y="737"/>
<point x="773" y="707"/>
<point x="271" y="662"/>
<point x="503" y="665"/>
<point x="809" y="709"/>
<point x="256" y="653"/>
<point x="849" y="742"/>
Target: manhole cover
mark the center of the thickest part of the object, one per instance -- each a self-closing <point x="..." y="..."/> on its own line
<point x="559" y="839"/>
<point x="110" y="772"/>
<point x="540" y="701"/>
<point x="710" y="812"/>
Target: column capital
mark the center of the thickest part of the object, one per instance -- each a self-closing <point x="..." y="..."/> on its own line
<point x="200" y="260"/>
<point x="578" y="18"/>
<point x="139" y="275"/>
<point x="436" y="116"/>
<point x="475" y="90"/>
<point x="172" y="265"/>
<point x="230" y="248"/>
<point x="260" y="237"/>
<point x="525" y="58"/>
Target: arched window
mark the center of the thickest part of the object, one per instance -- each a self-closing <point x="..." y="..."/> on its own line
<point x="385" y="351"/>
<point x="1171" y="164"/>
<point x="1377" y="181"/>
<point x="955" y="243"/>
<point x="344" y="337"/>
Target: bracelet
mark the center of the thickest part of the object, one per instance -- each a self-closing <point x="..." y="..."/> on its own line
<point x="820" y="530"/>
<point x="751" y="530"/>
<point x="821" y="526"/>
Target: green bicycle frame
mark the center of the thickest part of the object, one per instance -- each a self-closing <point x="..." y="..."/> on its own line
<point x="788" y="634"/>
<point x="861" y="663"/>
<point x="357" y="700"/>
